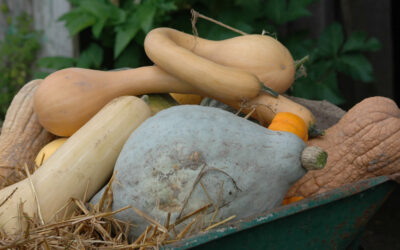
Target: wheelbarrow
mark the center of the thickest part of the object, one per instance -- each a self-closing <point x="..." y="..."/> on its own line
<point x="330" y="220"/>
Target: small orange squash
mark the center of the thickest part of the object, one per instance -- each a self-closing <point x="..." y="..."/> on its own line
<point x="289" y="122"/>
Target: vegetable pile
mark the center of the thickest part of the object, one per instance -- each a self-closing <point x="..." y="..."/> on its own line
<point x="179" y="167"/>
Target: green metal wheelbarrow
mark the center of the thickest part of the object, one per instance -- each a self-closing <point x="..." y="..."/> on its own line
<point x="331" y="220"/>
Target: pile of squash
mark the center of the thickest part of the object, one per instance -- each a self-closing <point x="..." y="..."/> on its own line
<point x="92" y="114"/>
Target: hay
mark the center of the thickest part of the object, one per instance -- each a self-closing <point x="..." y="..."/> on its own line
<point x="93" y="226"/>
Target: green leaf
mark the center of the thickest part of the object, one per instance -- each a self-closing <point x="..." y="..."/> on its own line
<point x="299" y="45"/>
<point x="297" y="9"/>
<point x="117" y="15"/>
<point x="329" y="90"/>
<point x="97" y="28"/>
<point x="330" y="41"/>
<point x="77" y="20"/>
<point x="96" y="8"/>
<point x="319" y="70"/>
<point x="145" y="14"/>
<point x="355" y="65"/>
<point x="305" y="88"/>
<point x="275" y="11"/>
<point x="40" y="75"/>
<point x="125" y="33"/>
<point x="92" y="57"/>
<point x="372" y="44"/>
<point x="357" y="41"/>
<point x="56" y="62"/>
<point x="131" y="57"/>
<point x="167" y="6"/>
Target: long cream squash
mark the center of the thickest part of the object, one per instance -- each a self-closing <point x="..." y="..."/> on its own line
<point x="227" y="70"/>
<point x="85" y="160"/>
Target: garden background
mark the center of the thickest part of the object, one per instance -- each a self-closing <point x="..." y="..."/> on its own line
<point x="351" y="44"/>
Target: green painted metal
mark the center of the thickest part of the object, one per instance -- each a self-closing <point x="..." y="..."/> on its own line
<point x="332" y="220"/>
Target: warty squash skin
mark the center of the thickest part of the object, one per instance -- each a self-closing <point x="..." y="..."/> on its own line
<point x="79" y="168"/>
<point x="22" y="136"/>
<point x="365" y="143"/>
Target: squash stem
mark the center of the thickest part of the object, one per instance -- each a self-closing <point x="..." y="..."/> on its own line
<point x="313" y="131"/>
<point x="302" y="61"/>
<point x="313" y="158"/>
<point x="269" y="90"/>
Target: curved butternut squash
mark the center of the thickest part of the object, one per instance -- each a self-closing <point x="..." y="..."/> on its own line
<point x="261" y="55"/>
<point x="87" y="157"/>
<point x="171" y="50"/>
<point x="68" y="98"/>
<point x="264" y="108"/>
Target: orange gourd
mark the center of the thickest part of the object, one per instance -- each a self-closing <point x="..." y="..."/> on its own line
<point x="290" y="200"/>
<point x="289" y="122"/>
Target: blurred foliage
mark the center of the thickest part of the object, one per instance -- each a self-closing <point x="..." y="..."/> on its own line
<point x="17" y="52"/>
<point x="113" y="32"/>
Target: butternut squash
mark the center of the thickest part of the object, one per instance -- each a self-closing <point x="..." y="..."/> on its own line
<point x="261" y="55"/>
<point x="68" y="98"/>
<point x="171" y="50"/>
<point x="87" y="157"/>
<point x="264" y="108"/>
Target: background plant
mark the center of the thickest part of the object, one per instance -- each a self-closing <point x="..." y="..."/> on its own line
<point x="17" y="52"/>
<point x="112" y="34"/>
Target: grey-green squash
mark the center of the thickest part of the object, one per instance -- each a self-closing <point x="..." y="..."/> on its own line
<point x="188" y="156"/>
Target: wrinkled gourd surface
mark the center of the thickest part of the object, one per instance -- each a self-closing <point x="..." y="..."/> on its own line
<point x="365" y="143"/>
<point x="21" y="136"/>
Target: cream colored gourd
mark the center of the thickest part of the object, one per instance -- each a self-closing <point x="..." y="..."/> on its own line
<point x="68" y="98"/>
<point x="82" y="164"/>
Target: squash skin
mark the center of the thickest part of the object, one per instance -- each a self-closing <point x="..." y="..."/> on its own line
<point x="261" y="55"/>
<point x="264" y="107"/>
<point x="363" y="144"/>
<point x="22" y="136"/>
<point x="156" y="175"/>
<point x="68" y="98"/>
<point x="87" y="156"/>
<point x="48" y="150"/>
<point x="286" y="121"/>
<point x="186" y="57"/>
